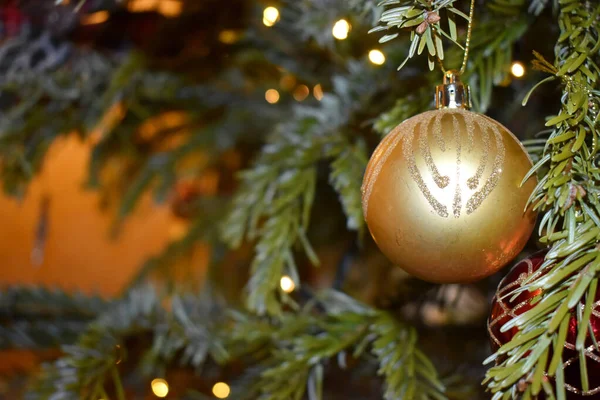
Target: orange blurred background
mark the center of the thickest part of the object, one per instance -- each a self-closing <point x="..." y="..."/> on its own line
<point x="79" y="253"/>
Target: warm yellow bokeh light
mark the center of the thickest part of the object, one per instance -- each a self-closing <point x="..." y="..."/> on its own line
<point x="301" y="92"/>
<point x="142" y="5"/>
<point x="270" y="16"/>
<point x="318" y="92"/>
<point x="221" y="390"/>
<point x="228" y="36"/>
<point x="341" y="29"/>
<point x="517" y="69"/>
<point x="376" y="57"/>
<point x="95" y="18"/>
<point x="160" y="388"/>
<point x="170" y="8"/>
<point x="287" y="284"/>
<point x="272" y="96"/>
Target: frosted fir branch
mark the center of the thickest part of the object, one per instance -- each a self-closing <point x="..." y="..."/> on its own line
<point x="349" y="329"/>
<point x="347" y="169"/>
<point x="82" y="372"/>
<point x="293" y="353"/>
<point x="566" y="197"/>
<point x="32" y="301"/>
<point x="38" y="318"/>
<point x="274" y="203"/>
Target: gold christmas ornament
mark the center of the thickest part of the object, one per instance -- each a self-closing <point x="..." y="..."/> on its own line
<point x="442" y="196"/>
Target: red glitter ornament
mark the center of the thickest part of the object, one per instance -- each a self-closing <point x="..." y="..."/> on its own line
<point x="504" y="308"/>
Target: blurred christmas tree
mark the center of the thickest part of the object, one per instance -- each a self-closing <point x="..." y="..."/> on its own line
<point x="255" y="122"/>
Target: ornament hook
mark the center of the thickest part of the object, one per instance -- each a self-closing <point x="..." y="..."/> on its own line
<point x="452" y="93"/>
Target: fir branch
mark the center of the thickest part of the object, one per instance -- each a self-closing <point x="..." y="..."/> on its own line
<point x="40" y="334"/>
<point x="491" y="55"/>
<point x="188" y="337"/>
<point x="275" y="199"/>
<point x="36" y="318"/>
<point x="294" y="351"/>
<point x="313" y="19"/>
<point x="567" y="198"/>
<point x="280" y="189"/>
<point x="423" y="19"/>
<point x="347" y="170"/>
<point x="408" y="372"/>
<point x="348" y="329"/>
<point x="39" y="302"/>
<point x="82" y="372"/>
<point x="404" y="109"/>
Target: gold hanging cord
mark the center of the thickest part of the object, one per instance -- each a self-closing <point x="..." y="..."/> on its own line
<point x="467" y="43"/>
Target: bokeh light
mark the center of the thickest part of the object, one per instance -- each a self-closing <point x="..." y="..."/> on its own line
<point x="228" y="36"/>
<point x="170" y="8"/>
<point x="301" y="92"/>
<point x="341" y="29"/>
<point x="95" y="18"/>
<point x="376" y="57"/>
<point x="287" y="284"/>
<point x="318" y="92"/>
<point x="160" y="388"/>
<point x="221" y="390"/>
<point x="272" y="96"/>
<point x="270" y="16"/>
<point x="517" y="69"/>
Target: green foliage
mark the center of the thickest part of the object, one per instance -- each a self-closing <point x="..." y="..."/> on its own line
<point x="566" y="197"/>
<point x="82" y="372"/>
<point x="404" y="109"/>
<point x="491" y="56"/>
<point x="408" y="372"/>
<point x="423" y="18"/>
<point x="280" y="189"/>
<point x="273" y="204"/>
<point x="304" y="345"/>
<point x="347" y="170"/>
<point x="41" y="318"/>
<point x="293" y="353"/>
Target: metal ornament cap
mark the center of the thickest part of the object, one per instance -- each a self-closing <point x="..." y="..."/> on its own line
<point x="452" y="93"/>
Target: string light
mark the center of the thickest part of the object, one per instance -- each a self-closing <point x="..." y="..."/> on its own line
<point x="301" y="92"/>
<point x="376" y="57"/>
<point x="160" y="388"/>
<point x="221" y="390"/>
<point x="270" y="16"/>
<point x="318" y="92"/>
<point x="517" y="69"/>
<point x="287" y="284"/>
<point x="272" y="96"/>
<point x="341" y="29"/>
<point x="95" y="18"/>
